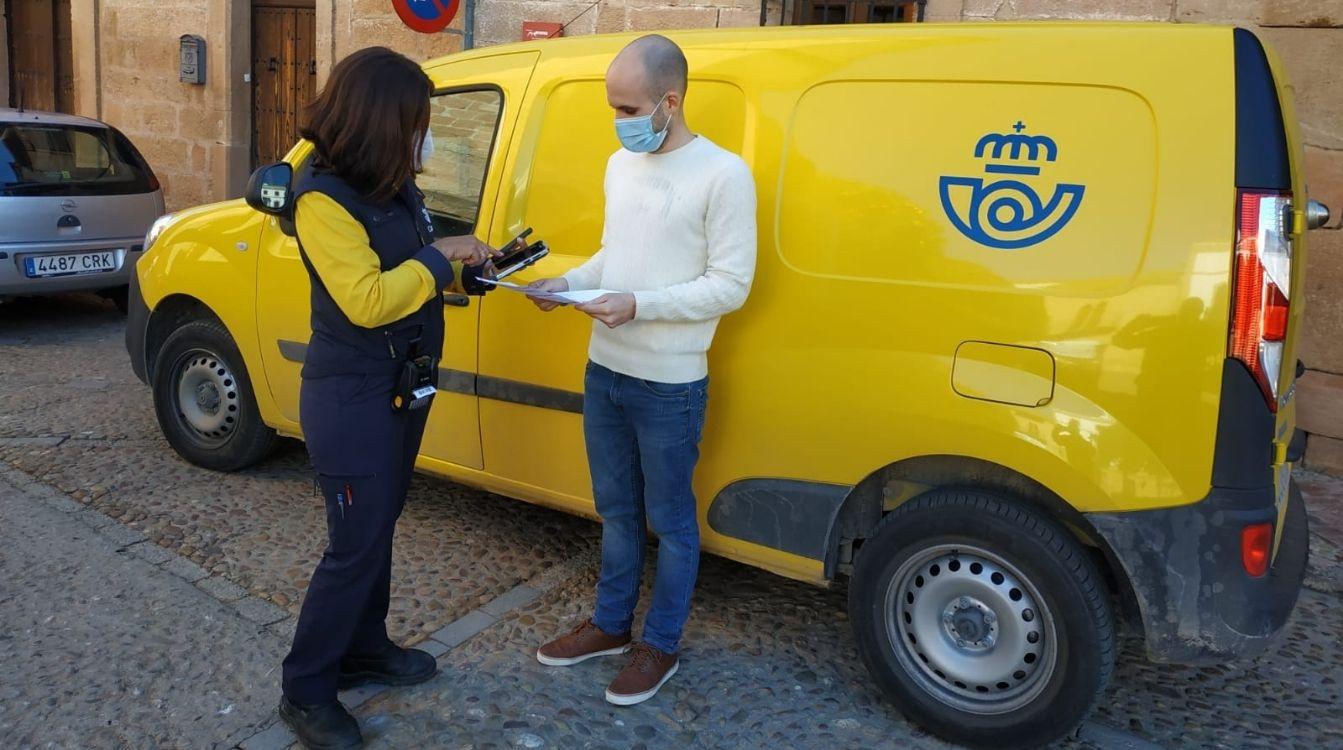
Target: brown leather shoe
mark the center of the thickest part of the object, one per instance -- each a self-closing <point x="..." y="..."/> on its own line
<point x="647" y="671"/>
<point x="580" y="644"/>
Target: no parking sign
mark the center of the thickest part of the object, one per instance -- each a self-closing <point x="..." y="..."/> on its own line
<point x="426" y="16"/>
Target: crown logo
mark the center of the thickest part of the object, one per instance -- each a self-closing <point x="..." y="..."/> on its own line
<point x="1016" y="147"/>
<point x="1007" y="213"/>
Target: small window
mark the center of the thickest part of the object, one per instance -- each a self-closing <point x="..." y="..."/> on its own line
<point x="829" y="12"/>
<point x="38" y="159"/>
<point x="856" y="11"/>
<point x="464" y="124"/>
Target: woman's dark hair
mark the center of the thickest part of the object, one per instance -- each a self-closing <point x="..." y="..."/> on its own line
<point x="367" y="122"/>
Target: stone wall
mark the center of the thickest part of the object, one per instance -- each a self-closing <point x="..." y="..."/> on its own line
<point x="126" y="70"/>
<point x="364" y="23"/>
<point x="1308" y="36"/>
<point x="500" y="21"/>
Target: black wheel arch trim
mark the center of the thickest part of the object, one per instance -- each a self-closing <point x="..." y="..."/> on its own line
<point x="889" y="487"/>
<point x="147" y="329"/>
<point x="137" y="328"/>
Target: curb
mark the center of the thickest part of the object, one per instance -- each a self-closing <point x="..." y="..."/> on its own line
<point x="276" y="736"/>
<point x="270" y="733"/>
<point x="132" y="542"/>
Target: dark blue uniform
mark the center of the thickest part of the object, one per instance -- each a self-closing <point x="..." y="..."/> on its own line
<point x="361" y="448"/>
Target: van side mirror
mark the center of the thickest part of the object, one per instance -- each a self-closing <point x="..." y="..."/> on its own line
<point x="271" y="190"/>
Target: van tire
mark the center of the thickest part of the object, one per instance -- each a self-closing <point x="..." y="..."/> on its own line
<point x="972" y="546"/>
<point x="220" y="429"/>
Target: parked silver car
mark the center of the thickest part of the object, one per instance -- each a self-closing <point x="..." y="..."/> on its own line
<point x="76" y="199"/>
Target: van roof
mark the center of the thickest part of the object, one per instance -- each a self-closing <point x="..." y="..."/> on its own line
<point x="11" y="115"/>
<point x="590" y="43"/>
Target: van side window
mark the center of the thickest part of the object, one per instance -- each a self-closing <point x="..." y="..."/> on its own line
<point x="464" y="124"/>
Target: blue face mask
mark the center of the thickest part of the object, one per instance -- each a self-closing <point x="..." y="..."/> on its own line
<point x="637" y="134"/>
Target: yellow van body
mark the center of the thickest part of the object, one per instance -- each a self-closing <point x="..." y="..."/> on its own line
<point x="996" y="255"/>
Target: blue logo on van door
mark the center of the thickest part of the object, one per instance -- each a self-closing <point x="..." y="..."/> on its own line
<point x="1007" y="213"/>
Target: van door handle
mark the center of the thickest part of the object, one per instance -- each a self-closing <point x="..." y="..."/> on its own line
<point x="456" y="300"/>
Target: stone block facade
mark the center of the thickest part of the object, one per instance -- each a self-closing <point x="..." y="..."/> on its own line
<point x="126" y="72"/>
<point x="500" y="21"/>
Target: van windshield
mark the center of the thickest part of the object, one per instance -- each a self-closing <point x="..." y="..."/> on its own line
<point x="38" y="159"/>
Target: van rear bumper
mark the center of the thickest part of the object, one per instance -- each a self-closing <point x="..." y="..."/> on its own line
<point x="1197" y="603"/>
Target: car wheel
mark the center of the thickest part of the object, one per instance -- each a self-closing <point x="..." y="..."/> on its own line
<point x="984" y="621"/>
<point x="204" y="401"/>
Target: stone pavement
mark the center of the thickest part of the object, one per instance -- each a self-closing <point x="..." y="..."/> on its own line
<point x="171" y="592"/>
<point x="103" y="648"/>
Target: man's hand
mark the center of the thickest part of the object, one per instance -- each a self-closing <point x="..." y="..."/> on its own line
<point x="612" y="309"/>
<point x="547" y="285"/>
<point x="466" y="249"/>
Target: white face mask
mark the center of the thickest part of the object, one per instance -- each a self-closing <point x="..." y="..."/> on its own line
<point x="426" y="149"/>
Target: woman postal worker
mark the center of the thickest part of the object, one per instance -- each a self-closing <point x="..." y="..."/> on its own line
<point x="378" y="277"/>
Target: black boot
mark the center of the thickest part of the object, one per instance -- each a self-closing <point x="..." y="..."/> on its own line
<point x="325" y="727"/>
<point x="395" y="666"/>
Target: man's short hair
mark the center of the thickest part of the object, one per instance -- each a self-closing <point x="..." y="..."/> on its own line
<point x="665" y="67"/>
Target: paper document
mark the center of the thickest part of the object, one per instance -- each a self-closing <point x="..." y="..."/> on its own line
<point x="564" y="298"/>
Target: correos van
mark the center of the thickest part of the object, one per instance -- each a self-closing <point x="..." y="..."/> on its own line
<point x="1018" y="364"/>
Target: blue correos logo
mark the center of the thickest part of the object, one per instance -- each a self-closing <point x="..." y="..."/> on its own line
<point x="1008" y="213"/>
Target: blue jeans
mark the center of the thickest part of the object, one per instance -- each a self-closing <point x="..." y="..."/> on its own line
<point x="643" y="443"/>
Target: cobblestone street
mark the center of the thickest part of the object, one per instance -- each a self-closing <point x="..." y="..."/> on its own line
<point x="145" y="602"/>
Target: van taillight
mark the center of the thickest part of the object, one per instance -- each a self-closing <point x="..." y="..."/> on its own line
<point x="1262" y="292"/>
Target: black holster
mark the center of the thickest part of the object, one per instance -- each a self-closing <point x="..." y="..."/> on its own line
<point x="418" y="381"/>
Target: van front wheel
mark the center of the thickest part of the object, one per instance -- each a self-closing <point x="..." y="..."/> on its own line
<point x="204" y="402"/>
<point x="984" y="621"/>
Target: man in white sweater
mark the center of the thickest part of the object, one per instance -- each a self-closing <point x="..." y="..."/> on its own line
<point x="678" y="251"/>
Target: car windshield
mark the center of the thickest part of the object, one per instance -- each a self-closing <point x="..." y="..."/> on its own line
<point x="39" y="159"/>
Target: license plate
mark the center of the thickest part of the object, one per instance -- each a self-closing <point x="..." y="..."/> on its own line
<point x="70" y="263"/>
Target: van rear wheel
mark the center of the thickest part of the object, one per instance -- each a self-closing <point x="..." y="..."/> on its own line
<point x="983" y="620"/>
<point x="204" y="402"/>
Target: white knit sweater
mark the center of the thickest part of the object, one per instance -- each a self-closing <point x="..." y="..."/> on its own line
<point x="680" y="234"/>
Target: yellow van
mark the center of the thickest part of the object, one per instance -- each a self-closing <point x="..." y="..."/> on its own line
<point x="1018" y="364"/>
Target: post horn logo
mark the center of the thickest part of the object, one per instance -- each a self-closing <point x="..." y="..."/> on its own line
<point x="1008" y="213"/>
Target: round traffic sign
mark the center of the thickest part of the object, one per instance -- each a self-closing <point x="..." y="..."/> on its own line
<point x="426" y="16"/>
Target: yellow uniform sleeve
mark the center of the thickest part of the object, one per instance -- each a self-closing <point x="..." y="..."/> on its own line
<point x="337" y="247"/>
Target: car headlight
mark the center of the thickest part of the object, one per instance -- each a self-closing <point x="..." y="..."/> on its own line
<point x="156" y="229"/>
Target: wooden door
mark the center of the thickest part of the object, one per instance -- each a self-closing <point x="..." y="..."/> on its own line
<point x="284" y="74"/>
<point x="41" y="56"/>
